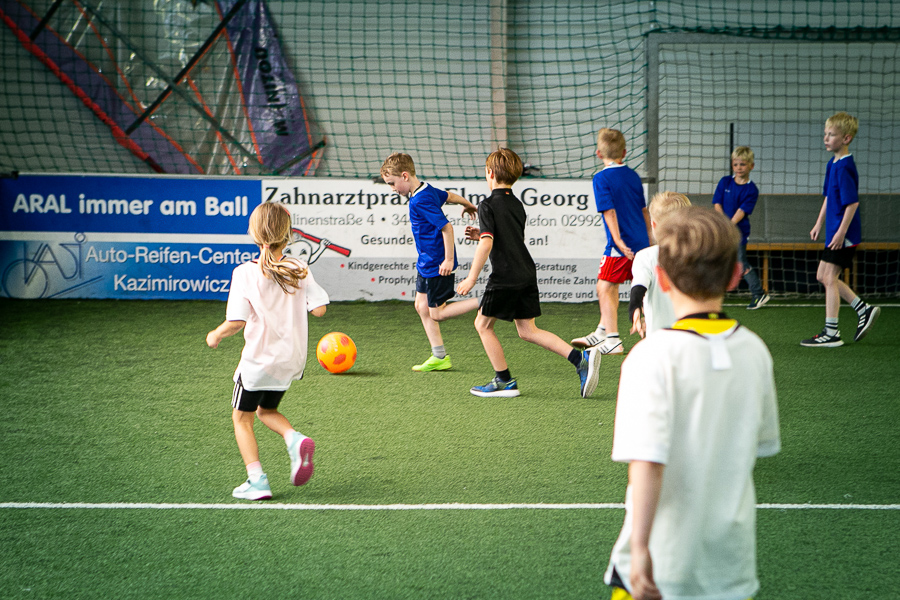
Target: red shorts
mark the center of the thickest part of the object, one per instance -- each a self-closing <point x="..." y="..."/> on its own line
<point x="615" y="269"/>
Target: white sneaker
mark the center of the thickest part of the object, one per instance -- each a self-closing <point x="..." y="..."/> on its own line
<point x="611" y="346"/>
<point x="254" y="490"/>
<point x="592" y="339"/>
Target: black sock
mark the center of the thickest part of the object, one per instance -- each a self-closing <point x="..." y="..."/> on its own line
<point x="504" y="375"/>
<point x="575" y="357"/>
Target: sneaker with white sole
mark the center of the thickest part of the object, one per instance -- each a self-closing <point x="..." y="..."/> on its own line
<point x="254" y="490"/>
<point x="301" y="452"/>
<point x="758" y="302"/>
<point x="824" y="340"/>
<point x="592" y="339"/>
<point x="434" y="364"/>
<point x="611" y="345"/>
<point x="866" y="320"/>
<point x="496" y="387"/>
<point x="589" y="372"/>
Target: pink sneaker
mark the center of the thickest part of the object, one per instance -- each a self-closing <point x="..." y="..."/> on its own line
<point x="301" y="460"/>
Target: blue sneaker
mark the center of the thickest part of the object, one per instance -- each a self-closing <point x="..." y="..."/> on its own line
<point x="495" y="387"/>
<point x="254" y="490"/>
<point x="589" y="372"/>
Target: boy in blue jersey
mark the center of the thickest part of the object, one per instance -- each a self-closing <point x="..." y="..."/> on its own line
<point x="843" y="232"/>
<point x="433" y="234"/>
<point x="736" y="197"/>
<point x="619" y="195"/>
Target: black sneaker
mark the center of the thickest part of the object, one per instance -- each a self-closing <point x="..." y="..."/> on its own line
<point x="824" y="340"/>
<point x="758" y="302"/>
<point x="866" y="320"/>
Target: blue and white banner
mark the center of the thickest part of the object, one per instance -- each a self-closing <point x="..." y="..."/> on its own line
<point x="123" y="237"/>
<point x="180" y="238"/>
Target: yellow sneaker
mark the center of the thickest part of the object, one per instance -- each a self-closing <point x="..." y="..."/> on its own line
<point x="434" y="364"/>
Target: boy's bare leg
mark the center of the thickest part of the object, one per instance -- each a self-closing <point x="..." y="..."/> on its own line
<point x="598" y="336"/>
<point x="432" y="329"/>
<point x="829" y="275"/>
<point x="608" y="295"/>
<point x="449" y="310"/>
<point x="530" y="332"/>
<point x="492" y="347"/>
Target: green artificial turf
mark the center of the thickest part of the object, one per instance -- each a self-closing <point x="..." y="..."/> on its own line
<point x="122" y="402"/>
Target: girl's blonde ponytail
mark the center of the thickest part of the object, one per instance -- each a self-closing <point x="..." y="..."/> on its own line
<point x="270" y="228"/>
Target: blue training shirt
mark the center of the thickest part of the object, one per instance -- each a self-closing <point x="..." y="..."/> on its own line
<point x="733" y="196"/>
<point x="841" y="189"/>
<point x="619" y="187"/>
<point x="427" y="218"/>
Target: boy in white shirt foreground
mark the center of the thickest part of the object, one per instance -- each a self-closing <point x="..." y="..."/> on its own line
<point x="696" y="407"/>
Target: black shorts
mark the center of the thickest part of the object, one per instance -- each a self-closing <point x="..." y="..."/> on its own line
<point x="247" y="401"/>
<point x="509" y="304"/>
<point x="842" y="258"/>
<point x="438" y="289"/>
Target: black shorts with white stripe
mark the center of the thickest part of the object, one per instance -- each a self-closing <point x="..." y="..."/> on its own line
<point x="248" y="401"/>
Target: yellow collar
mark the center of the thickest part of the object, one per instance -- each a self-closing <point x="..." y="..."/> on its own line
<point x="706" y="324"/>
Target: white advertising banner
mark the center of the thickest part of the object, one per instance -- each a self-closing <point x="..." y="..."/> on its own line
<point x="357" y="237"/>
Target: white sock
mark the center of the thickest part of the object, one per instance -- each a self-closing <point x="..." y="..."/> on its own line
<point x="254" y="471"/>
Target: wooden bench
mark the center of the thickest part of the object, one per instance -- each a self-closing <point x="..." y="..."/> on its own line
<point x="849" y="274"/>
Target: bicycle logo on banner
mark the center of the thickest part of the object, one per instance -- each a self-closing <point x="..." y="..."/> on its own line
<point x="32" y="275"/>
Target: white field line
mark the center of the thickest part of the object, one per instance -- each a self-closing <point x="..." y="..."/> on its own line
<point x="773" y="304"/>
<point x="395" y="507"/>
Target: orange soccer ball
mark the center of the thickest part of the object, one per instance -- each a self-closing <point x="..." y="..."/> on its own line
<point x="336" y="352"/>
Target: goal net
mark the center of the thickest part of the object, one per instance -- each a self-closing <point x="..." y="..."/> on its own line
<point x="167" y="87"/>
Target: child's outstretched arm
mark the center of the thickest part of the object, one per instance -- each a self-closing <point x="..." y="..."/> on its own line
<point x="645" y="479"/>
<point x="226" y="329"/>
<point x="468" y="208"/>
<point x="482" y="252"/>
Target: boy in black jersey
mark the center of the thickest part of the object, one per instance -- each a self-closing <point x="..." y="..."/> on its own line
<point x="512" y="292"/>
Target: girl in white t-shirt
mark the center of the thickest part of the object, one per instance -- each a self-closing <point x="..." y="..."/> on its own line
<point x="269" y="299"/>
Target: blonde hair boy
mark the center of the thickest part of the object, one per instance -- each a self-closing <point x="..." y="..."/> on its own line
<point x="398" y="163"/>
<point x="743" y="153"/>
<point x="610" y="144"/>
<point x="620" y="200"/>
<point x="650" y="308"/>
<point x="663" y="203"/>
<point x="845" y="123"/>
<point x="840" y="218"/>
